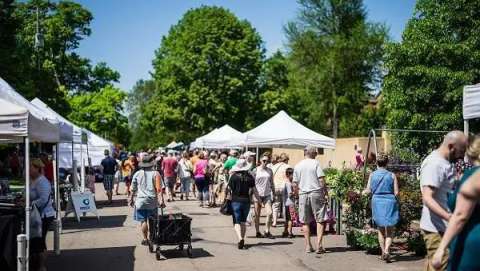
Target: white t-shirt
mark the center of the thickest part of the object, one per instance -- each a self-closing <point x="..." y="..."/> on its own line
<point x="186" y="168"/>
<point x="279" y="176"/>
<point x="263" y="181"/>
<point x="437" y="172"/>
<point x="306" y="174"/>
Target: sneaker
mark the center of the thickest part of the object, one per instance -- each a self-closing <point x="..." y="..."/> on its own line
<point x="181" y="197"/>
<point x="168" y="200"/>
<point x="241" y="244"/>
<point x="269" y="235"/>
<point x="291" y="236"/>
<point x="144" y="242"/>
<point x="285" y="234"/>
<point x="259" y="235"/>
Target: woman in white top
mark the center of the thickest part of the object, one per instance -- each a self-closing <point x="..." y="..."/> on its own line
<point x="185" y="175"/>
<point x="265" y="187"/>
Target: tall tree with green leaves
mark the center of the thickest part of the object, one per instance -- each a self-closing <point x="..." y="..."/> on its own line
<point x="336" y="56"/>
<point x="207" y="74"/>
<point x="137" y="99"/>
<point x="438" y="55"/>
<point x="102" y="113"/>
<point x="54" y="71"/>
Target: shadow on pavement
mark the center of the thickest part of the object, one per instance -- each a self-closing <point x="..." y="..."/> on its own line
<point x="261" y="244"/>
<point x="406" y="257"/>
<point x="196" y="253"/>
<point x="108" y="258"/>
<point x="90" y="222"/>
<point x="338" y="249"/>
<point x="115" y="203"/>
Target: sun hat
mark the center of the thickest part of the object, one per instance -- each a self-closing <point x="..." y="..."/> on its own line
<point x="147" y="161"/>
<point x="241" y="165"/>
<point x="248" y="153"/>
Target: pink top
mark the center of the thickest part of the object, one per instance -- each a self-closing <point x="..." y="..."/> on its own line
<point x="200" y="168"/>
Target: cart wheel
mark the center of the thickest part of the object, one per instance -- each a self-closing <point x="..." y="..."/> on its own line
<point x="150" y="246"/>
<point x="180" y="247"/>
<point x="189" y="251"/>
<point x="158" y="254"/>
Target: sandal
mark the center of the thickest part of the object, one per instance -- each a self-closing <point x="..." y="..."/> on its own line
<point x="310" y="250"/>
<point x="386" y="258"/>
<point x="320" y="250"/>
<point x="144" y="242"/>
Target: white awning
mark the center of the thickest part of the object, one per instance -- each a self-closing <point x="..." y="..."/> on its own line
<point x="220" y="138"/>
<point x="471" y="102"/>
<point x="283" y="131"/>
<point x="19" y="118"/>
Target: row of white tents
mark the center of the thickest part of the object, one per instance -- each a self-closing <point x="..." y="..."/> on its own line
<point x="279" y="131"/>
<point x="20" y="118"/>
<point x="22" y="121"/>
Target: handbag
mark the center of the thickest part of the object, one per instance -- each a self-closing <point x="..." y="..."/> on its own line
<point x="226" y="207"/>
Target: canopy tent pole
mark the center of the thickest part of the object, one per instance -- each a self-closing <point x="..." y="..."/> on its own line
<point x="256" y="154"/>
<point x="56" y="232"/>
<point x="27" y="200"/>
<point x="466" y="128"/>
<point x="82" y="164"/>
<point x="73" y="156"/>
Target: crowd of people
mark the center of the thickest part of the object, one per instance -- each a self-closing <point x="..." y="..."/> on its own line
<point x="450" y="219"/>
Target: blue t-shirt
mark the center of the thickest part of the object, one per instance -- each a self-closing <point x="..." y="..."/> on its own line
<point x="109" y="166"/>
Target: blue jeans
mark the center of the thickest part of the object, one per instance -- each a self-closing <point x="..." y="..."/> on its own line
<point x="202" y="188"/>
<point x="240" y="211"/>
<point x="185" y="184"/>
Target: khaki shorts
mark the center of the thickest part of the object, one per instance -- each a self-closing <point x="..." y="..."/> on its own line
<point x="312" y="206"/>
<point x="432" y="242"/>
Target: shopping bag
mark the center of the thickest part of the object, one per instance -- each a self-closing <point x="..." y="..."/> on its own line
<point x="226" y="208"/>
<point x="35" y="222"/>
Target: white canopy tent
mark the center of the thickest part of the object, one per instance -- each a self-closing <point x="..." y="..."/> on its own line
<point x="220" y="138"/>
<point x="283" y="131"/>
<point x="471" y="104"/>
<point x="20" y="121"/>
<point x="93" y="146"/>
<point x="29" y="122"/>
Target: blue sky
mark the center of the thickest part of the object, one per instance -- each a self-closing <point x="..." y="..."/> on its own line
<point x="125" y="33"/>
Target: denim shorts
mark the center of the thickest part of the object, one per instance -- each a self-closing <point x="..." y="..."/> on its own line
<point x="108" y="182"/>
<point x="142" y="215"/>
<point x="240" y="211"/>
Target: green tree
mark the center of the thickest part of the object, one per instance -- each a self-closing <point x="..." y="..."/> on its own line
<point x="336" y="57"/>
<point x="101" y="112"/>
<point x="207" y="74"/>
<point x="438" y="55"/>
<point x="54" y="71"/>
<point x="137" y="99"/>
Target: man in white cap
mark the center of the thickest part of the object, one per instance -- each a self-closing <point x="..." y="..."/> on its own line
<point x="309" y="178"/>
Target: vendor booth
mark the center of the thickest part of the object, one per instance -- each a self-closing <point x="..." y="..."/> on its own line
<point x="22" y="122"/>
<point x="283" y="131"/>
<point x="471" y="104"/>
<point x="220" y="138"/>
<point x="84" y="143"/>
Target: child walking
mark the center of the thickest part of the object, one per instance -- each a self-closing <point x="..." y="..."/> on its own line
<point x="289" y="203"/>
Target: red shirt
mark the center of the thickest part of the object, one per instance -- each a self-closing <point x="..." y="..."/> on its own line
<point x="48" y="171"/>
<point x="169" y="166"/>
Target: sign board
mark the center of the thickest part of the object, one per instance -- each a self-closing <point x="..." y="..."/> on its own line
<point x="81" y="203"/>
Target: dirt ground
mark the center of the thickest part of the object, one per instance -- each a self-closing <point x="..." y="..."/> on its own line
<point x="113" y="243"/>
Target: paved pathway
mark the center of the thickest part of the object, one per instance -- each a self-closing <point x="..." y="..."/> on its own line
<point x="113" y="244"/>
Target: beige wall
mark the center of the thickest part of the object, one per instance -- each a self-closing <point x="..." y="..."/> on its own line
<point x="343" y="154"/>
